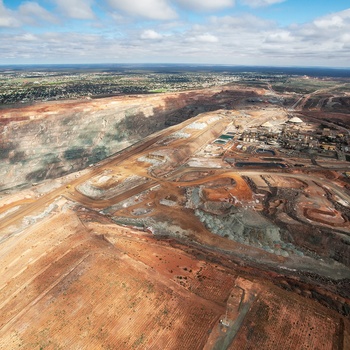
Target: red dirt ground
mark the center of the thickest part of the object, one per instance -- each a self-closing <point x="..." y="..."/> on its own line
<point x="281" y="321"/>
<point x="108" y="297"/>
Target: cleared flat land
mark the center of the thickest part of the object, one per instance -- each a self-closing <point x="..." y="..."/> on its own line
<point x="109" y="297"/>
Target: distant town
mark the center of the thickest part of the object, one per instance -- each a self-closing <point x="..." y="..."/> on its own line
<point x="21" y="84"/>
<point x="30" y="86"/>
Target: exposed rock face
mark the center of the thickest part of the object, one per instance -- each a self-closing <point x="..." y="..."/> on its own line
<point x="52" y="139"/>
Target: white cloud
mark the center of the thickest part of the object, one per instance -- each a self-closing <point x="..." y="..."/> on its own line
<point x="78" y="9"/>
<point x="26" y="37"/>
<point x="7" y="17"/>
<point x="204" y="38"/>
<point x="151" y="9"/>
<point x="206" y="5"/>
<point x="226" y="40"/>
<point x="117" y="17"/>
<point x="7" y="21"/>
<point x="32" y="13"/>
<point x="27" y="13"/>
<point x="281" y="36"/>
<point x="247" y="22"/>
<point x="261" y="3"/>
<point x="346" y="38"/>
<point x="243" y="39"/>
<point x="336" y="20"/>
<point x="150" y="34"/>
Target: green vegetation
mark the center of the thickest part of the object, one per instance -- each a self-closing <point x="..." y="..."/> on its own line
<point x="150" y="287"/>
<point x="342" y="88"/>
<point x="98" y="154"/>
<point x="139" y="341"/>
<point x="19" y="156"/>
<point x="158" y="90"/>
<point x="305" y="85"/>
<point x="74" y="153"/>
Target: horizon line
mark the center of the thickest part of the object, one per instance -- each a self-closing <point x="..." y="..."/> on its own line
<point x="170" y="64"/>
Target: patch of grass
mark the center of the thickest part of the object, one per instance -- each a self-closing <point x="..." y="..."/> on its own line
<point x="139" y="341"/>
<point x="158" y="90"/>
<point x="150" y="287"/>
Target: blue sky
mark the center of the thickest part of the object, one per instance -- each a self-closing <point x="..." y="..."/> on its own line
<point x="243" y="32"/>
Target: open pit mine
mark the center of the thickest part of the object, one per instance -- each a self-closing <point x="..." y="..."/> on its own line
<point x="210" y="219"/>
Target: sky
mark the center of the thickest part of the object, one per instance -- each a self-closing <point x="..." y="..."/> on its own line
<point x="229" y="32"/>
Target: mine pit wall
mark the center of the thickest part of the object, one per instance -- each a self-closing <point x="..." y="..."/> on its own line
<point x="46" y="141"/>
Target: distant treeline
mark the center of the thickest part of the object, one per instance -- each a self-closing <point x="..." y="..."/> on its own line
<point x="181" y="68"/>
